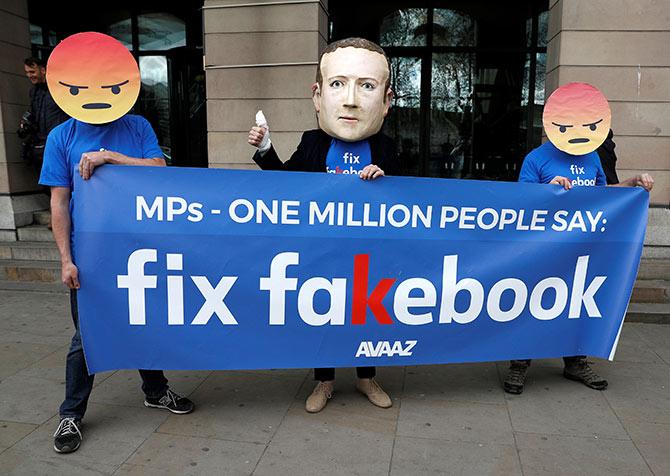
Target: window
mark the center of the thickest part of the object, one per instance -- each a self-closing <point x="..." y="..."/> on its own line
<point x="469" y="86"/>
<point x="122" y="30"/>
<point x="405" y="28"/>
<point x="160" y="31"/>
<point x="452" y="28"/>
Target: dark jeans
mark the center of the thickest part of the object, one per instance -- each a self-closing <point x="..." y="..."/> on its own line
<point x="323" y="375"/>
<point x="566" y="360"/>
<point x="78" y="383"/>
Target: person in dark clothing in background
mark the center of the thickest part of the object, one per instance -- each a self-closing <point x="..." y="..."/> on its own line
<point x="608" y="159"/>
<point x="44" y="114"/>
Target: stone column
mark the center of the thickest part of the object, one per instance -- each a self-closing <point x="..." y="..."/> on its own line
<point x="621" y="47"/>
<point x="20" y="195"/>
<point x="260" y="55"/>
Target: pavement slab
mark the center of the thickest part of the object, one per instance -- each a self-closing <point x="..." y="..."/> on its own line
<point x="457" y="382"/>
<point x="351" y="437"/>
<point x="236" y="406"/>
<point x="29" y="399"/>
<point x="12" y="335"/>
<point x="657" y="336"/>
<point x="11" y="432"/>
<point x="16" y="356"/>
<point x="569" y="455"/>
<point x="187" y="455"/>
<point x="455" y="421"/>
<point x="20" y="463"/>
<point x="423" y="456"/>
<point x="634" y="347"/>
<point x="555" y="405"/>
<point x="652" y="441"/>
<point x="639" y="392"/>
<point x="111" y="434"/>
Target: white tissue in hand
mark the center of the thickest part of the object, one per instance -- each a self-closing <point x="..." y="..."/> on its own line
<point x="264" y="146"/>
<point x="260" y="119"/>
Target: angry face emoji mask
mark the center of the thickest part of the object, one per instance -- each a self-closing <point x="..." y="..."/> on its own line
<point x="576" y="118"/>
<point x="93" y="77"/>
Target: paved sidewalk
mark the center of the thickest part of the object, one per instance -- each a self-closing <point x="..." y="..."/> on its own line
<point x="449" y="419"/>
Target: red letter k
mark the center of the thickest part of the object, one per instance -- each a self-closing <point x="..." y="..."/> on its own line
<point x="361" y="300"/>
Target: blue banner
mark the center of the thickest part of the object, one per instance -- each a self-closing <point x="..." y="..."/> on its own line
<point x="221" y="269"/>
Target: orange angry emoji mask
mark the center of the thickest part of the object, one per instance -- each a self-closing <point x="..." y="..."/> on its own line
<point x="577" y="118"/>
<point x="93" y="77"/>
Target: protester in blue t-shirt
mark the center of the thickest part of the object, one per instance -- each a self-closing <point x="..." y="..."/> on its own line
<point x="76" y="147"/>
<point x="548" y="164"/>
<point x="96" y="80"/>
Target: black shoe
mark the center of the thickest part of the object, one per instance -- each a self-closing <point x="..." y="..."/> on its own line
<point x="171" y="401"/>
<point x="68" y="436"/>
<point x="515" y="378"/>
<point x="581" y="371"/>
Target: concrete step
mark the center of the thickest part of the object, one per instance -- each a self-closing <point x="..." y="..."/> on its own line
<point x="42" y="217"/>
<point x="28" y="270"/>
<point x="650" y="313"/>
<point x="656" y="252"/>
<point x="654" y="269"/>
<point x="34" y="233"/>
<point x="651" y="291"/>
<point x="29" y="250"/>
<point x="33" y="287"/>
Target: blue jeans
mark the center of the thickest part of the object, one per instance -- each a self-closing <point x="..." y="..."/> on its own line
<point x="78" y="383"/>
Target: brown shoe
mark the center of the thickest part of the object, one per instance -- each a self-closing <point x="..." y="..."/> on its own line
<point x="371" y="389"/>
<point x="581" y="371"/>
<point x="319" y="398"/>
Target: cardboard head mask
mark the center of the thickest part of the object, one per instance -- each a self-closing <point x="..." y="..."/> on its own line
<point x="93" y="77"/>
<point x="352" y="95"/>
<point x="577" y="118"/>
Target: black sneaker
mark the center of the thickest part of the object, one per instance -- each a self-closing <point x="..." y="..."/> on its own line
<point x="581" y="371"/>
<point x="171" y="401"/>
<point x="68" y="436"/>
<point x="515" y="378"/>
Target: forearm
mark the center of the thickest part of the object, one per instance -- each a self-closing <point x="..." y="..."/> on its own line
<point x="61" y="226"/>
<point x="629" y="182"/>
<point x="117" y="158"/>
<point x="643" y="180"/>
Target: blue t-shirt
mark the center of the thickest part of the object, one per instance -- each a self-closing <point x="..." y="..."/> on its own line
<point x="129" y="135"/>
<point x="348" y="157"/>
<point x="544" y="163"/>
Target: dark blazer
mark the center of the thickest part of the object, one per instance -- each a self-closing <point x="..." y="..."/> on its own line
<point x="310" y="156"/>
